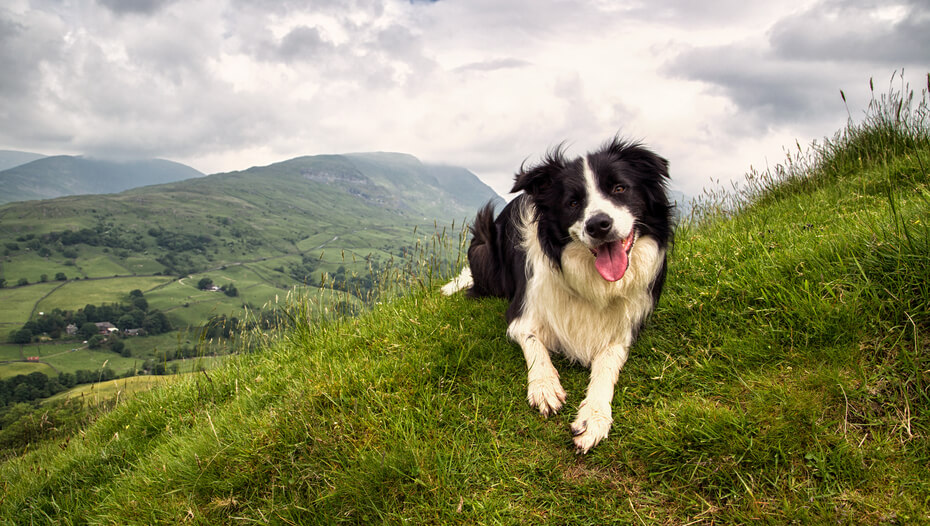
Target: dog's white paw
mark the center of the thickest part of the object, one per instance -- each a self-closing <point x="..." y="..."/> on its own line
<point x="590" y="426"/>
<point x="463" y="281"/>
<point x="546" y="394"/>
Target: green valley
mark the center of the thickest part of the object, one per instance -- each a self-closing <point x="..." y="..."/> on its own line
<point x="333" y="222"/>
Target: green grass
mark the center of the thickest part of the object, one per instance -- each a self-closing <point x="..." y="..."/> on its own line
<point x="75" y="295"/>
<point x="9" y="370"/>
<point x="102" y="265"/>
<point x="10" y="351"/>
<point x="32" y="266"/>
<point x="17" y="303"/>
<point x="782" y="379"/>
<point x="91" y="360"/>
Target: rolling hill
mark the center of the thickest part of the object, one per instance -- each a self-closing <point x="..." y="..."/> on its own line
<point x="61" y="175"/>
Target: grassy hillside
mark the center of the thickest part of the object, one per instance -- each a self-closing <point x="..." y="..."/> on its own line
<point x="783" y="378"/>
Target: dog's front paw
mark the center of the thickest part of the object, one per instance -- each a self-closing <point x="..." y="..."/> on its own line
<point x="546" y="394"/>
<point x="590" y="426"/>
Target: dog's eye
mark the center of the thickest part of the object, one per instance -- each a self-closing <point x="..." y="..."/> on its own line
<point x="573" y="203"/>
<point x="618" y="189"/>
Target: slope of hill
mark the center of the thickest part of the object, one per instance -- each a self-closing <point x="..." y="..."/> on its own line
<point x="11" y="158"/>
<point x="782" y="379"/>
<point x="61" y="175"/>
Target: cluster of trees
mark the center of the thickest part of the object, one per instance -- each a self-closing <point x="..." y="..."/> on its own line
<point x="220" y="327"/>
<point x="102" y="235"/>
<point x="134" y="314"/>
<point x="305" y="271"/>
<point x="178" y="264"/>
<point x="180" y="241"/>
<point x="34" y="386"/>
<point x="229" y="289"/>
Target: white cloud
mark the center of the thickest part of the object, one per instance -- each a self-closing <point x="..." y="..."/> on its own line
<point x="227" y="84"/>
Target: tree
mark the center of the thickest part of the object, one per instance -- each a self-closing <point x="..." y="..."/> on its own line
<point x="22" y="336"/>
<point x="156" y="322"/>
<point x="88" y="330"/>
<point x="61" y="277"/>
<point x="22" y="282"/>
<point x="117" y="346"/>
<point x="96" y="341"/>
<point x="135" y="293"/>
<point x="23" y="393"/>
<point x="66" y="379"/>
<point x="126" y="321"/>
<point x="140" y="303"/>
<point x="204" y="283"/>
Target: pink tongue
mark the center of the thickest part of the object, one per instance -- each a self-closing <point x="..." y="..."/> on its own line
<point x="611" y="260"/>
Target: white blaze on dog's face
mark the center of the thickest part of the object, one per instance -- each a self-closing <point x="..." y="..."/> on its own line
<point x="605" y="226"/>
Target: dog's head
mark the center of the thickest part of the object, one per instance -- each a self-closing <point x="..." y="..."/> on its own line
<point x="604" y="201"/>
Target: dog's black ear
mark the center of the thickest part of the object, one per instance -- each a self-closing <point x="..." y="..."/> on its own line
<point x="532" y="181"/>
<point x="537" y="179"/>
<point x="639" y="157"/>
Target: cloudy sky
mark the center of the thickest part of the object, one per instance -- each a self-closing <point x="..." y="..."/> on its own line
<point x="222" y="85"/>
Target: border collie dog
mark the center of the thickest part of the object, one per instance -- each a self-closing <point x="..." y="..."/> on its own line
<point x="581" y="255"/>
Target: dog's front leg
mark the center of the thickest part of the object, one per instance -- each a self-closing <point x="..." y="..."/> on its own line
<point x="543" y="391"/>
<point x="594" y="414"/>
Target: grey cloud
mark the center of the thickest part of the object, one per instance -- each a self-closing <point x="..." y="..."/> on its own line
<point x="796" y="75"/>
<point x="146" y="7"/>
<point x="27" y="48"/>
<point x="850" y="32"/>
<point x="303" y="43"/>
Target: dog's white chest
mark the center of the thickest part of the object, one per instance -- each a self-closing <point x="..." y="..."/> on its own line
<point x="576" y="312"/>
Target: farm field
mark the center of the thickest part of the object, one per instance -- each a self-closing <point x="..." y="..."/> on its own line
<point x="9" y="370"/>
<point x="16" y="303"/>
<point x="74" y="295"/>
<point x="32" y="267"/>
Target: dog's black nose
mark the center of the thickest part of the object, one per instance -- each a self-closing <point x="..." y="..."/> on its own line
<point x="599" y="225"/>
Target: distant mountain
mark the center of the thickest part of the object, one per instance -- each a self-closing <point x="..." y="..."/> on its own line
<point x="285" y="211"/>
<point x="63" y="175"/>
<point x="11" y="158"/>
<point x="331" y="187"/>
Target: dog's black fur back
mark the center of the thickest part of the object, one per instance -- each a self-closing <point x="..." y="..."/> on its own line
<point x="498" y="265"/>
